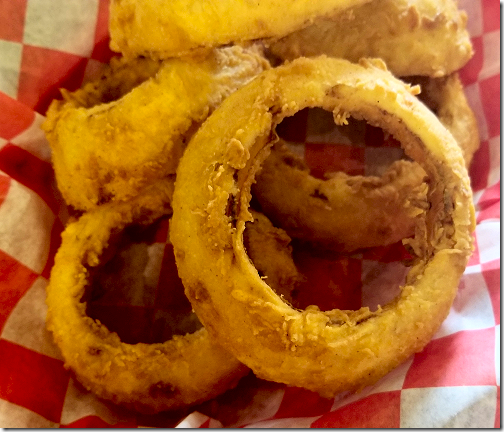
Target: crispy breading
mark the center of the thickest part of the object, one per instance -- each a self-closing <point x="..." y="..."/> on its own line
<point x="445" y="96"/>
<point x="162" y="29"/>
<point x="337" y="350"/>
<point x="270" y="250"/>
<point x="147" y="377"/>
<point x="413" y="37"/>
<point x="108" y="150"/>
<point x="346" y="212"/>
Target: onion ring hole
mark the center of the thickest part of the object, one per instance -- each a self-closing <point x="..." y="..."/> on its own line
<point x="135" y="290"/>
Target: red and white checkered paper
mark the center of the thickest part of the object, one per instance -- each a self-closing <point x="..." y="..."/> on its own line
<point x="454" y="382"/>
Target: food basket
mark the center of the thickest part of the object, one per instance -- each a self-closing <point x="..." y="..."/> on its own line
<point x="46" y="45"/>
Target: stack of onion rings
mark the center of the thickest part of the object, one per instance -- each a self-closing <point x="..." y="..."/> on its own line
<point x="337" y="350"/>
<point x="239" y="281"/>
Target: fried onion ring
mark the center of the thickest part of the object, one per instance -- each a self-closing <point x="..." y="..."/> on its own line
<point x="146" y="377"/>
<point x="346" y="212"/>
<point x="161" y="29"/>
<point x="413" y="37"/>
<point x="336" y="350"/>
<point x="108" y="150"/>
<point x="342" y="213"/>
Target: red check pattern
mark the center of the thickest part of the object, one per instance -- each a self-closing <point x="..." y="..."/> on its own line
<point x="37" y="63"/>
<point x="466" y="366"/>
<point x="376" y="411"/>
<point x="45" y="377"/>
<point x="16" y="117"/>
<point x="35" y="174"/>
<point x="4" y="187"/>
<point x="12" y="15"/>
<point x="16" y="280"/>
<point x="49" y="44"/>
<point x="63" y="59"/>
<point x="491" y="274"/>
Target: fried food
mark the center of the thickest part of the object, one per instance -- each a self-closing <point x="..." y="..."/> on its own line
<point x="182" y="371"/>
<point x="346" y="213"/>
<point x="270" y="250"/>
<point x="342" y="213"/>
<point x="105" y="150"/>
<point x="162" y="29"/>
<point x="146" y="377"/>
<point x="119" y="78"/>
<point x="446" y="98"/>
<point x="413" y="37"/>
<point x="336" y="350"/>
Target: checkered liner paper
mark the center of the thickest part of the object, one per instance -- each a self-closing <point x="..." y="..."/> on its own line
<point x="454" y="382"/>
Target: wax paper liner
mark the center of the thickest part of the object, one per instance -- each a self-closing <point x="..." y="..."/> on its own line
<point x="454" y="382"/>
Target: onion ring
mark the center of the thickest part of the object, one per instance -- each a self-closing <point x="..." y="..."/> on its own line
<point x="346" y="213"/>
<point x="342" y="213"/>
<point x="336" y="350"/>
<point x="146" y="377"/>
<point x="413" y="37"/>
<point x="161" y="29"/>
<point x="109" y="151"/>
